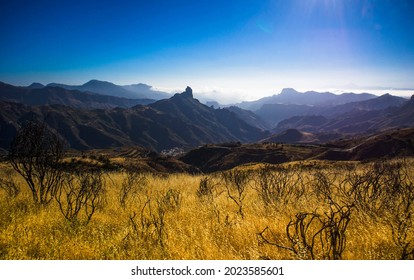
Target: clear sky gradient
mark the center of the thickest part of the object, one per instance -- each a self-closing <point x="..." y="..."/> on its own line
<point x="234" y="49"/>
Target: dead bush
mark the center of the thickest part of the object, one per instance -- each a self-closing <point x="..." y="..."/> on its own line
<point x="279" y="186"/>
<point x="132" y="184"/>
<point x="80" y="195"/>
<point x="314" y="235"/>
<point x="208" y="189"/>
<point x="399" y="212"/>
<point x="235" y="182"/>
<point x="149" y="225"/>
<point x="8" y="184"/>
<point x="35" y="154"/>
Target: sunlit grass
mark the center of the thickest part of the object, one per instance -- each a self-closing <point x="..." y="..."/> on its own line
<point x="196" y="228"/>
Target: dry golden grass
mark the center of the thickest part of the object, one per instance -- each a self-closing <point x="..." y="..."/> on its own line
<point x="191" y="227"/>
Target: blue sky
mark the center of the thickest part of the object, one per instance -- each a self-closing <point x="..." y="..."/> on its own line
<point x="231" y="49"/>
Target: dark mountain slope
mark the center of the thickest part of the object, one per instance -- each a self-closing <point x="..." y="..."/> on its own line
<point x="398" y="116"/>
<point x="181" y="121"/>
<point x="363" y="121"/>
<point x="303" y="123"/>
<point x="249" y="117"/>
<point x="378" y="103"/>
<point x="211" y="158"/>
<point x="274" y="113"/>
<point x="292" y="136"/>
<point x="212" y="125"/>
<point x="390" y="144"/>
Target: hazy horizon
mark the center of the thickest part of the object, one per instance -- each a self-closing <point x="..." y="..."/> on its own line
<point x="227" y="50"/>
<point x="236" y="97"/>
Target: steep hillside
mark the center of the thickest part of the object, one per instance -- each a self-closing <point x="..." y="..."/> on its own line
<point x="211" y="158"/>
<point x="205" y="124"/>
<point x="303" y="123"/>
<point x="390" y="144"/>
<point x="378" y="103"/>
<point x="275" y="113"/>
<point x="292" y="136"/>
<point x="249" y="117"/>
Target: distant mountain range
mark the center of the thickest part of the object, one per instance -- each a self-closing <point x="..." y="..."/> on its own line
<point x="147" y="91"/>
<point x="310" y="98"/>
<point x="180" y="121"/>
<point x="135" y="91"/>
<point x="356" y="121"/>
<point x="37" y="94"/>
<point x="272" y="114"/>
<point x="100" y="115"/>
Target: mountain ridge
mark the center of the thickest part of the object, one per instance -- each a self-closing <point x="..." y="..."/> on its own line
<point x="135" y="91"/>
<point x="89" y="120"/>
<point x="275" y="113"/>
<point x="355" y="121"/>
<point x="180" y="121"/>
<point x="48" y="95"/>
<point x="310" y="98"/>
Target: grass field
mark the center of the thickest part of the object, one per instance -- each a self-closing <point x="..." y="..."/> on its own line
<point x="303" y="210"/>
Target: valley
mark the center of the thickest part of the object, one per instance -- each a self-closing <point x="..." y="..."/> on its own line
<point x="94" y="120"/>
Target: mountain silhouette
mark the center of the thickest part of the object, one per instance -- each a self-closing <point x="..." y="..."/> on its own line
<point x="49" y="95"/>
<point x="100" y="87"/>
<point x="36" y="86"/>
<point x="147" y="90"/>
<point x="137" y="91"/>
<point x="310" y="98"/>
